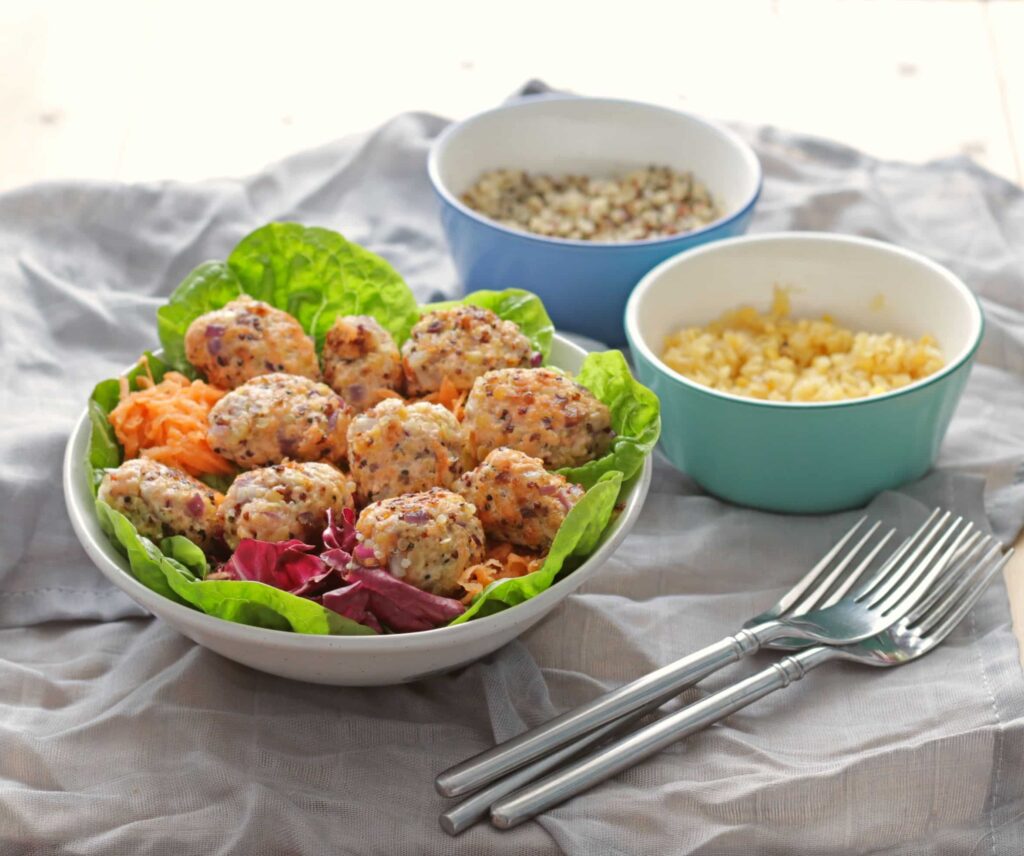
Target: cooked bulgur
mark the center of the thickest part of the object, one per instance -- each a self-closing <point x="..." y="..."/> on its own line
<point x="779" y="358"/>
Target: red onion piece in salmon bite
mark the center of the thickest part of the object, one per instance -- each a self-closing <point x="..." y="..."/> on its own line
<point x="355" y="394"/>
<point x="418" y="517"/>
<point x="536" y="358"/>
<point x="195" y="506"/>
<point x="289" y="447"/>
<point x="213" y="338"/>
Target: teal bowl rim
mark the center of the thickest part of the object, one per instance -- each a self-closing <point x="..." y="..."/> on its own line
<point x="451" y="199"/>
<point x="637" y="343"/>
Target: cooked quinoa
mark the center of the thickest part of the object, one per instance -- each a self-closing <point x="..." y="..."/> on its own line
<point x="652" y="202"/>
<point x="776" y="357"/>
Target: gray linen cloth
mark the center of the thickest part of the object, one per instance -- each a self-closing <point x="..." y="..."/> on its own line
<point x="118" y="736"/>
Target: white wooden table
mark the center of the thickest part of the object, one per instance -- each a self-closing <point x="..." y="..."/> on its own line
<point x="189" y="90"/>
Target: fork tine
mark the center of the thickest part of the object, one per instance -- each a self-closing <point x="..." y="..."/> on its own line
<point x="963" y="582"/>
<point x="818" y="594"/>
<point x="918" y="583"/>
<point x="967" y="601"/>
<point x="910" y="570"/>
<point x="916" y="542"/>
<point x="848" y="583"/>
<point x="969" y="555"/>
<point x="808" y="602"/>
<point x="812" y="576"/>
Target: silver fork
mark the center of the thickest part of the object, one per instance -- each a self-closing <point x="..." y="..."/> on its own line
<point x="808" y="613"/>
<point x="924" y="627"/>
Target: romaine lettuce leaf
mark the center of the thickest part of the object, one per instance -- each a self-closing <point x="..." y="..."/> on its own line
<point x="206" y="288"/>
<point x="635" y="413"/>
<point x="523" y="308"/>
<point x="175" y="576"/>
<point x="315" y="275"/>
<point x="577" y="537"/>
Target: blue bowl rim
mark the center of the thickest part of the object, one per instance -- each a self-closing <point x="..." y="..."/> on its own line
<point x="638" y="345"/>
<point x="527" y="101"/>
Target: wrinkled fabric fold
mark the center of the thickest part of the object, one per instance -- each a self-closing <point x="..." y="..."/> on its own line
<point x="122" y="737"/>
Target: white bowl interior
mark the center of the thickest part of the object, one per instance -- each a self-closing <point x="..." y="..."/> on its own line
<point x="341" y="660"/>
<point x="862" y="284"/>
<point x="601" y="137"/>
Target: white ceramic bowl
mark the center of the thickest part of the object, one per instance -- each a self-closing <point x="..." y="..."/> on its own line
<point x="339" y="660"/>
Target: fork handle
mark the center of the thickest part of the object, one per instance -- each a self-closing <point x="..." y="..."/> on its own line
<point x="484" y="768"/>
<point x="605" y="762"/>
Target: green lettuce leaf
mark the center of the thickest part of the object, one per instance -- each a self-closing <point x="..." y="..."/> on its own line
<point x="206" y="288"/>
<point x="577" y="537"/>
<point x="315" y="275"/>
<point x="523" y="308"/>
<point x="104" y="450"/>
<point x="177" y="574"/>
<point x="635" y="413"/>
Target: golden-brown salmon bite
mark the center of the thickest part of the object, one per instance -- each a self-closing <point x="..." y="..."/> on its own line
<point x="517" y="499"/>
<point x="425" y="539"/>
<point x="539" y="411"/>
<point x="162" y="501"/>
<point x="395" y="447"/>
<point x="289" y="500"/>
<point x="460" y="344"/>
<point x="246" y="338"/>
<point x="278" y="416"/>
<point x="360" y="359"/>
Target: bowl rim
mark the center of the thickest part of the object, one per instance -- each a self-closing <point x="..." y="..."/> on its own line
<point x="443" y="140"/>
<point x="74" y="471"/>
<point x="640" y="345"/>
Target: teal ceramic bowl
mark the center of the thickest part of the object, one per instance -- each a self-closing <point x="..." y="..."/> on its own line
<point x="793" y="456"/>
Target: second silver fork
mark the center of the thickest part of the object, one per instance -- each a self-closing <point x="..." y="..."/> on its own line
<point x="927" y="625"/>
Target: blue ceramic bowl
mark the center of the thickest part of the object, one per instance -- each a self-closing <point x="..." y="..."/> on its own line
<point x="805" y="457"/>
<point x="583" y="284"/>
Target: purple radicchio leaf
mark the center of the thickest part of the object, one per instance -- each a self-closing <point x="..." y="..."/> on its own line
<point x="285" y="565"/>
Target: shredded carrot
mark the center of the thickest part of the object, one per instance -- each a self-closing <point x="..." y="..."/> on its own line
<point x="501" y="563"/>
<point x="448" y="396"/>
<point x="167" y="422"/>
<point x="379" y="394"/>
